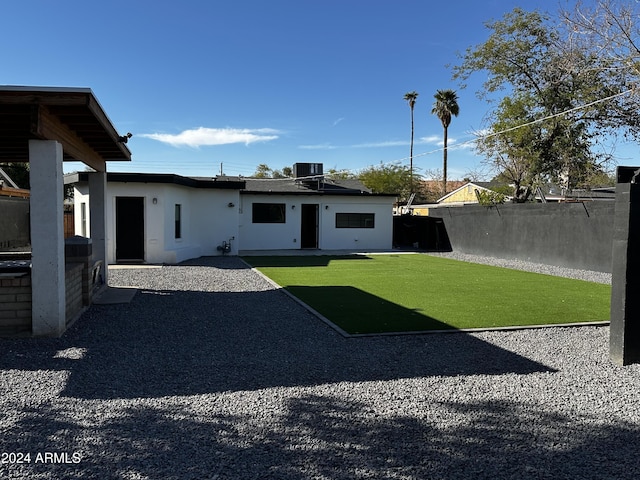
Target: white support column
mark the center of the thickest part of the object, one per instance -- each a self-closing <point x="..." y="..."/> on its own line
<point x="47" y="238"/>
<point x="98" y="219"/>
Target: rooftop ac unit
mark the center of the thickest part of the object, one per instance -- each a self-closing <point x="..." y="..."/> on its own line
<point x="306" y="169"/>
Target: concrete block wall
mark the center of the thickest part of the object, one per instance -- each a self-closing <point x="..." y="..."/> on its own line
<point x="15" y="299"/>
<point x="78" y="250"/>
<point x="73" y="290"/>
<point x="15" y="303"/>
<point x="574" y="235"/>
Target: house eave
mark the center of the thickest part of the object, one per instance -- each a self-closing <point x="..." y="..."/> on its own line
<point x="159" y="178"/>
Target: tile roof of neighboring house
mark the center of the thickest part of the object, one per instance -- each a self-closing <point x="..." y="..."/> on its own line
<point x="435" y="185"/>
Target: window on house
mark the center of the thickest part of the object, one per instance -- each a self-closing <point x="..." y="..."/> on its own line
<point x="178" y="215"/>
<point x="269" y="213"/>
<point x="83" y="218"/>
<point x="355" y="220"/>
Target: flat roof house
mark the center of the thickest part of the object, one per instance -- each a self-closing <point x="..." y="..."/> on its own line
<point x="161" y="218"/>
<point x="157" y="218"/>
<point x="314" y="212"/>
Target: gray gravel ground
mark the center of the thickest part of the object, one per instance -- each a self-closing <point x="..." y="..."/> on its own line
<point x="588" y="275"/>
<point x="211" y="373"/>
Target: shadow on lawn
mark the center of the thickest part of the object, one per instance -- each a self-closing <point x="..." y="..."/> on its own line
<point x="358" y="312"/>
<point x="186" y="343"/>
<point x="316" y="436"/>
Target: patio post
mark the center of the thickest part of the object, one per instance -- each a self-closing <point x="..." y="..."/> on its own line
<point x="624" y="342"/>
<point x="98" y="219"/>
<point x="47" y="238"/>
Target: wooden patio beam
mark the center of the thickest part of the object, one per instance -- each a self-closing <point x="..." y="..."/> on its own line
<point x="46" y="126"/>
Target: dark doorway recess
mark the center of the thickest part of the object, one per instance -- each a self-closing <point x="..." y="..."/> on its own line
<point x="129" y="229"/>
<point x="424" y="233"/>
<point x="309" y="229"/>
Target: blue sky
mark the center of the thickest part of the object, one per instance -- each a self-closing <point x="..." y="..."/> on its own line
<point x="200" y="83"/>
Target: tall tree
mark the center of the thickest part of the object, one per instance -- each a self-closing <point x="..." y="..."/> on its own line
<point x="565" y="90"/>
<point x="411" y="98"/>
<point x="263" y="171"/>
<point x="389" y="178"/>
<point x="608" y="33"/>
<point x="445" y="106"/>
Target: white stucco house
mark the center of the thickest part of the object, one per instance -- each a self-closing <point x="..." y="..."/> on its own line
<point x="163" y="218"/>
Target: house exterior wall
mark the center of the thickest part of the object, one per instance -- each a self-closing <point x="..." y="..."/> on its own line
<point x="213" y="216"/>
<point x="80" y="197"/>
<point x="276" y="236"/>
<point x="420" y="211"/>
<point x="206" y="221"/>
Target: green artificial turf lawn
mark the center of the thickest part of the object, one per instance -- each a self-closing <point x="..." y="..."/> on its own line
<point x="402" y="293"/>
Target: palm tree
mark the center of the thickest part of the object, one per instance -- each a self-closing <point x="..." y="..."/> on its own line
<point x="411" y="97"/>
<point x="445" y="106"/>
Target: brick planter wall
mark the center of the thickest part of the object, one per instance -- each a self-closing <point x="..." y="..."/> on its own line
<point x="15" y="303"/>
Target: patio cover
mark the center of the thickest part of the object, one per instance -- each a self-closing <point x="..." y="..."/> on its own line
<point x="71" y="116"/>
<point x="46" y="126"/>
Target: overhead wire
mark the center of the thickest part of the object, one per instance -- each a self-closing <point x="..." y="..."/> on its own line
<point x="507" y="130"/>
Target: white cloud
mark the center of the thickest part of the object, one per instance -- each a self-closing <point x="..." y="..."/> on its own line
<point x="323" y="146"/>
<point x="336" y="122"/>
<point x="327" y="146"/>
<point x="203" y="136"/>
<point x="438" y="141"/>
<point x="390" y="143"/>
<point x="431" y="140"/>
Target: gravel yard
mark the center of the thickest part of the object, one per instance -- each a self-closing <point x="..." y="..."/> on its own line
<point x="211" y="373"/>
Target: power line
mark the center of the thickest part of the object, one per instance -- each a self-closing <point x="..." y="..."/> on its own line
<point x="489" y="135"/>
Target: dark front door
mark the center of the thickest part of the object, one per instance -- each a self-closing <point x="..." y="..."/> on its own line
<point x="130" y="229"/>
<point x="309" y="229"/>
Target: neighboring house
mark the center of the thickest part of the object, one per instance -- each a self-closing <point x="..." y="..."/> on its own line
<point x="599" y="193"/>
<point x="434" y="187"/>
<point x="553" y="193"/>
<point x="158" y="218"/>
<point x="14" y="220"/>
<point x="465" y="194"/>
<point x="8" y="187"/>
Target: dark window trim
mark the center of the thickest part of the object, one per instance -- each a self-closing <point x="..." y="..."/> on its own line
<point x="355" y="220"/>
<point x="268" y="212"/>
<point x="178" y="220"/>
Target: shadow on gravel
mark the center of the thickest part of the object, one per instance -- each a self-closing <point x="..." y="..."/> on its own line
<point x="167" y="343"/>
<point x="327" y="437"/>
